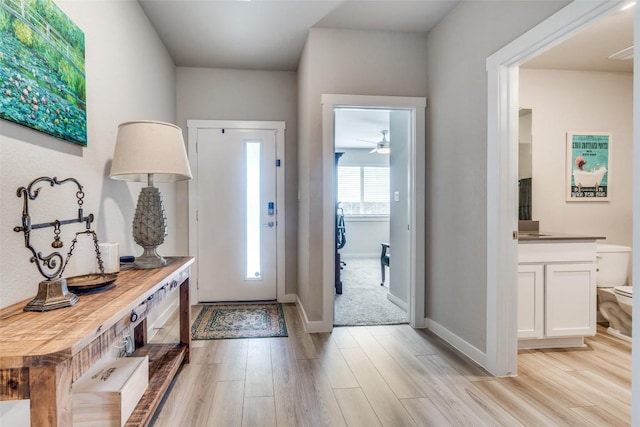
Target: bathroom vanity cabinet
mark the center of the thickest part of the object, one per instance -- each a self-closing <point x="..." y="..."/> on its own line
<point x="556" y="292"/>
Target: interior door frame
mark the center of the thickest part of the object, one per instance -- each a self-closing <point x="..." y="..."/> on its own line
<point x="417" y="105"/>
<point x="502" y="170"/>
<point x="278" y="127"/>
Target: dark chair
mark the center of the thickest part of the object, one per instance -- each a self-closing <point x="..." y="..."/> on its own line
<point x="385" y="256"/>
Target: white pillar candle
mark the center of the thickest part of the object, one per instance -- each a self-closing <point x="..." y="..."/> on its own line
<point x="110" y="257"/>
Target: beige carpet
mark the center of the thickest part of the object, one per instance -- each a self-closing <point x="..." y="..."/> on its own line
<point x="363" y="301"/>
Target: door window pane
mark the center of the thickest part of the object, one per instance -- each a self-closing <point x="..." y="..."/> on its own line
<point x="253" y="205"/>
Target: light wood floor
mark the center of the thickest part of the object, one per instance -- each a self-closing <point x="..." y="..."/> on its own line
<point x="391" y="376"/>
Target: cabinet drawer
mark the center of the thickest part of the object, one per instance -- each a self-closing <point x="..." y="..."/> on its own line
<point x="544" y="253"/>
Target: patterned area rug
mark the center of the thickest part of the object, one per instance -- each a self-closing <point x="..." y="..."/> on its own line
<point x="239" y="321"/>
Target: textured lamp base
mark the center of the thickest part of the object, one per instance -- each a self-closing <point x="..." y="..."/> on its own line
<point x="149" y="228"/>
<point x="52" y="294"/>
<point x="149" y="259"/>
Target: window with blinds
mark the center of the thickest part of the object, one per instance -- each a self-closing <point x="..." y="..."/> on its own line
<point x="364" y="190"/>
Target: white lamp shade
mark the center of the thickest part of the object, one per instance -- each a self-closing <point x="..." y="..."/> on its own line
<point x="145" y="147"/>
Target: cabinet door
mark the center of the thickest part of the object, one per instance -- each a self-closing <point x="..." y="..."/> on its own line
<point x="570" y="299"/>
<point x="530" y="301"/>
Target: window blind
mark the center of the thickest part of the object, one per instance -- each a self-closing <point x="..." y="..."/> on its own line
<point x="364" y="190"/>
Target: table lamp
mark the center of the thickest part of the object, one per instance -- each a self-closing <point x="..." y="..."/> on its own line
<point x="148" y="151"/>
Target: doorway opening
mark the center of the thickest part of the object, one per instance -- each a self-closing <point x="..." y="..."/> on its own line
<point x="372" y="167"/>
<point x="502" y="194"/>
<point x="414" y="222"/>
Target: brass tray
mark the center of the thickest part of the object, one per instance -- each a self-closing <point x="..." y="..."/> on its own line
<point x="90" y="281"/>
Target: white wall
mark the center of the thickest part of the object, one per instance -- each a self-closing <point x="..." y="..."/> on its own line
<point x="219" y="94"/>
<point x="565" y="101"/>
<point x="342" y="62"/>
<point x="457" y="157"/>
<point x="129" y="76"/>
<point x="364" y="237"/>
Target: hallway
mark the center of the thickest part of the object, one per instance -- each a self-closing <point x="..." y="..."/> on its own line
<point x="390" y="376"/>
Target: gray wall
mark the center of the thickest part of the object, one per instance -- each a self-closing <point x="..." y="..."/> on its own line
<point x="122" y="85"/>
<point x="400" y="240"/>
<point x="563" y="101"/>
<point x="457" y="50"/>
<point x="342" y="62"/>
<point x="220" y="94"/>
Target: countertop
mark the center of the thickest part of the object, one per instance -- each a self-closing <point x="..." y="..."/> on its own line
<point x="548" y="236"/>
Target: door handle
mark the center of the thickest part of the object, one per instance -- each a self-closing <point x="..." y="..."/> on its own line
<point x="269" y="224"/>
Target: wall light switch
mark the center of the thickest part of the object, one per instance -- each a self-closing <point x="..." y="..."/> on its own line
<point x="396" y="196"/>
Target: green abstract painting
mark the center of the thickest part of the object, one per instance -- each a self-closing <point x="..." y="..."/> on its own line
<point x="42" y="69"/>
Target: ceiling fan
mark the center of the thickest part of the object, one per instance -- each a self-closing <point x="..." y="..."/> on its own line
<point x="382" y="147"/>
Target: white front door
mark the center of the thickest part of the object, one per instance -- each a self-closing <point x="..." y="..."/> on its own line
<point x="236" y="215"/>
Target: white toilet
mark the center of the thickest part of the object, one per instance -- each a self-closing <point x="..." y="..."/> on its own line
<point x="614" y="296"/>
<point x="624" y="295"/>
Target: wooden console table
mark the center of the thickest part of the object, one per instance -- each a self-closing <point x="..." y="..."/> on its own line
<point x="42" y="354"/>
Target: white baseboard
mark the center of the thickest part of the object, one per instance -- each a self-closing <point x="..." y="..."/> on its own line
<point x="309" y="325"/>
<point x="397" y="301"/>
<point x="456" y="342"/>
<point x="420" y="323"/>
<point x="288" y="298"/>
<point x="153" y="329"/>
<point x="561" y="342"/>
<point x="359" y="256"/>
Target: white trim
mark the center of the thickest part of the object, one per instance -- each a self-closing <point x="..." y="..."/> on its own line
<point x="237" y="124"/>
<point x="561" y="342"/>
<point x="616" y="333"/>
<point x="367" y="218"/>
<point x="309" y="326"/>
<point x="397" y="301"/>
<point x="279" y="127"/>
<point x="635" y="256"/>
<point x="456" y="342"/>
<point x="502" y="128"/>
<point x="288" y="298"/>
<point x="416" y="191"/>
<point x="359" y="255"/>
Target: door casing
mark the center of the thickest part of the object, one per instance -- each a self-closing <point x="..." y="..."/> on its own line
<point x="501" y="357"/>
<point x="278" y="127"/>
<point x="416" y="193"/>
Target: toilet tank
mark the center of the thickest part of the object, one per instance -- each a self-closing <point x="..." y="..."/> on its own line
<point x="613" y="265"/>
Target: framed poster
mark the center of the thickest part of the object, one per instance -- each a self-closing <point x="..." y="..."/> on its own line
<point x="588" y="166"/>
<point x="42" y="69"/>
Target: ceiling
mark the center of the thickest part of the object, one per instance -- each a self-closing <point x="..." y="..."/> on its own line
<point x="589" y="50"/>
<point x="270" y="35"/>
<point x="360" y="128"/>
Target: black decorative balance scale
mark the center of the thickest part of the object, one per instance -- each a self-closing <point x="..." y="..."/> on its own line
<point x="55" y="292"/>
